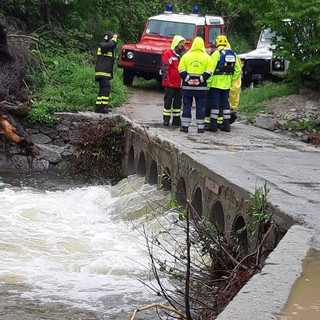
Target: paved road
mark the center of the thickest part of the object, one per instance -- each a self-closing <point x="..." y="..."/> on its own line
<point x="247" y="156"/>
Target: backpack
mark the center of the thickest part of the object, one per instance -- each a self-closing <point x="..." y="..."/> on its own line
<point x="226" y="63"/>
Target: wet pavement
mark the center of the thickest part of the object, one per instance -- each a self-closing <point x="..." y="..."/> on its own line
<point x="247" y="156"/>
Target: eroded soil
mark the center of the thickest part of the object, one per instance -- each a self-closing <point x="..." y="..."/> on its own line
<point x="297" y="114"/>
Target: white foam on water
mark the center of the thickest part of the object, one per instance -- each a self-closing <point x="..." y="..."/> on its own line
<point x="72" y="247"/>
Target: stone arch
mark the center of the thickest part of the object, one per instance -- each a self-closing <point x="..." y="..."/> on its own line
<point x="131" y="169"/>
<point x="181" y="193"/>
<point x="142" y="164"/>
<point x="197" y="201"/>
<point x="243" y="236"/>
<point x="166" y="180"/>
<point x="217" y="215"/>
<point x="153" y="173"/>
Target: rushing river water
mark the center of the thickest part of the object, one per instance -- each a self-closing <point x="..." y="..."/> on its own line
<point x="75" y="252"/>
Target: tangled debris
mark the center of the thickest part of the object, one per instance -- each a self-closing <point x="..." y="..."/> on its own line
<point x="14" y="99"/>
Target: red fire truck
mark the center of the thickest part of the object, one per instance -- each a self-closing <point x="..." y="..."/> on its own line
<point x="143" y="59"/>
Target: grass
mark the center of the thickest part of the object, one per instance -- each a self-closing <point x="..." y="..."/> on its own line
<point x="251" y="99"/>
<point x="67" y="84"/>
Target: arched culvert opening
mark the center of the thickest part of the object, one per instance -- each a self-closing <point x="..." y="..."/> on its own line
<point x="166" y="180"/>
<point x="142" y="164"/>
<point x="181" y="193"/>
<point x="131" y="161"/>
<point x="153" y="173"/>
<point x="243" y="235"/>
<point x="217" y="216"/>
<point x="197" y="201"/>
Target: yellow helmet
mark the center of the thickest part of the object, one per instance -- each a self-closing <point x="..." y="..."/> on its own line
<point x="221" y="41"/>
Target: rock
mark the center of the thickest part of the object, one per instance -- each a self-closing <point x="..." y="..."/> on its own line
<point x="265" y="121"/>
<point x="292" y="112"/>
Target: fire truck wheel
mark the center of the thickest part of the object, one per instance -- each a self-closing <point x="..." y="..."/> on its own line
<point x="127" y="78"/>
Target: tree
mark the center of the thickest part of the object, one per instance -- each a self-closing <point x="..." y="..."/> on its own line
<point x="297" y="27"/>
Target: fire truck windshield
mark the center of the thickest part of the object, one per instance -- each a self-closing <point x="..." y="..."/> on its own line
<point x="169" y="28"/>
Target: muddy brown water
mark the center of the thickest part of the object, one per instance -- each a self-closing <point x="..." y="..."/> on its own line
<point x="304" y="299"/>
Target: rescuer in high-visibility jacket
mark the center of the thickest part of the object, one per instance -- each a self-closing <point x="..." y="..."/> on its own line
<point x="171" y="81"/>
<point x="227" y="68"/>
<point x="234" y="98"/>
<point x="195" y="68"/>
<point x="104" y="71"/>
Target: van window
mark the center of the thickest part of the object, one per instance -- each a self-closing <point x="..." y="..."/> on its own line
<point x="169" y="28"/>
<point x="213" y="33"/>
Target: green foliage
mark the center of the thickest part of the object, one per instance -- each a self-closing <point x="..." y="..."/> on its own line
<point x="257" y="213"/>
<point x="78" y="26"/>
<point x="41" y="113"/>
<point x="298" y="40"/>
<point x="300" y="125"/>
<point x="68" y="85"/>
<point x="305" y="125"/>
<point x="238" y="42"/>
<point x="252" y="99"/>
<point x="175" y="205"/>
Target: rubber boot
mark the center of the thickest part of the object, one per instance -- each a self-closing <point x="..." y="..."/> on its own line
<point x="226" y="125"/>
<point x="207" y="121"/>
<point x="166" y="120"/>
<point x="220" y="122"/>
<point x="184" y="129"/>
<point x="101" y="109"/>
<point x="176" y="121"/>
<point x="213" y="125"/>
<point x="233" y="117"/>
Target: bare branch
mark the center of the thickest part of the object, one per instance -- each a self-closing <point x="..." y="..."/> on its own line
<point x="23" y="36"/>
<point x="158" y="305"/>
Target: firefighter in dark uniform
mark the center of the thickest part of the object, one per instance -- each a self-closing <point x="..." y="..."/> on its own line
<point x="104" y="71"/>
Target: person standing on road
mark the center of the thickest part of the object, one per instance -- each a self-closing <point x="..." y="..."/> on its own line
<point x="234" y="94"/>
<point x="226" y="68"/>
<point x="104" y="71"/>
<point x="195" y="68"/>
<point x="234" y="98"/>
<point x="171" y="81"/>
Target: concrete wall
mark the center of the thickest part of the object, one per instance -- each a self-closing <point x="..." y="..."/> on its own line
<point x="211" y="195"/>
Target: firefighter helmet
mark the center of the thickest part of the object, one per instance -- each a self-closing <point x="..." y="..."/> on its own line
<point x="108" y="35"/>
<point x="221" y="41"/>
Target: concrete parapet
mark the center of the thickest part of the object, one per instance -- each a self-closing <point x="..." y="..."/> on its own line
<point x="265" y="294"/>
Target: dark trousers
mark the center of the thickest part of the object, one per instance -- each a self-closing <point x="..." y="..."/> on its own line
<point x="172" y="104"/>
<point x="200" y="97"/>
<point x="218" y="100"/>
<point x="104" y="93"/>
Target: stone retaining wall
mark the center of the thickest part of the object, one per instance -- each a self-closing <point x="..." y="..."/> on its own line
<point x="54" y="142"/>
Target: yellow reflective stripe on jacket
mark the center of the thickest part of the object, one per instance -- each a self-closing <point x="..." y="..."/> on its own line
<point x="105" y="74"/>
<point x="108" y="54"/>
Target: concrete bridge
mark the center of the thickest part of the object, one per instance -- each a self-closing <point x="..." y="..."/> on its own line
<point x="216" y="172"/>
